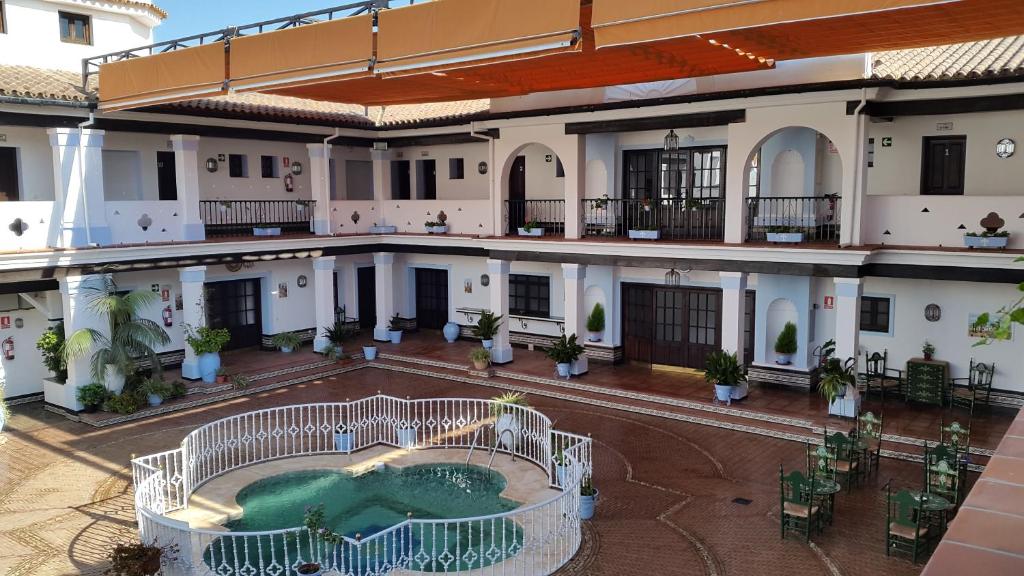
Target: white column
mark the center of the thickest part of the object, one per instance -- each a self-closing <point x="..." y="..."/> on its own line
<point x="498" y="271"/>
<point x="323" y="288"/>
<point x="186" y="175"/>
<point x="381" y="174"/>
<point x="320" y="181"/>
<point x="384" y="265"/>
<point x="734" y="299"/>
<point x="76" y="295"/>
<point x="848" y="293"/>
<point x="736" y="165"/>
<point x="575" y="276"/>
<point x="193" y="313"/>
<point x="575" y="181"/>
<point x="855" y="187"/>
<point x="78" y="186"/>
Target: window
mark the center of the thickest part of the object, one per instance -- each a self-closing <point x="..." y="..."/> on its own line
<point x="75" y="28"/>
<point x="268" y="167"/>
<point x="669" y="174"/>
<point x="942" y="165"/>
<point x="529" y="295"/>
<point x="358" y="180"/>
<point x="754" y="176"/>
<point x="401" y="182"/>
<point x="875" y="314"/>
<point x="238" y="166"/>
<point x="9" y="189"/>
<point x="456" y="169"/>
<point x="122" y="175"/>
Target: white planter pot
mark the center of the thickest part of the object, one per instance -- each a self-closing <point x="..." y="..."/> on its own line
<point x="723" y="393"/>
<point x="740" y="391"/>
<point x="487" y="344"/>
<point x="395" y="336"/>
<point x="986" y="241"/>
<point x="154" y="399"/>
<point x="587" y="505"/>
<point x="786" y="237"/>
<point x="560" y="472"/>
<point x="113" y="379"/>
<point x="644" y="234"/>
<point x="563" y="370"/>
<point x="370" y="352"/>
<point x="847" y="406"/>
<point x="437" y="229"/>
<point x="383" y="229"/>
<point x="531" y="232"/>
<point x="594" y="336"/>
<point x="406" y="437"/>
<point x="507" y="428"/>
<point x="344" y="441"/>
<point x="783" y="359"/>
<point x="266" y="231"/>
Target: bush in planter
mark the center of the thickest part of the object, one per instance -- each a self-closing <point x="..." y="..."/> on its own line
<point x="395" y="329"/>
<point x="507" y="425"/>
<point x="339" y="332"/>
<point x="155" y="389"/>
<point x="595" y="322"/>
<point x="786" y="344"/>
<point x="123" y="403"/>
<point x="240" y="382"/>
<point x="835" y="377"/>
<point x="481" y="358"/>
<point x="928" y="350"/>
<point x="286" y="341"/>
<point x="51" y="345"/>
<point x="588" y="499"/>
<point x="530" y="226"/>
<point x="207" y="343"/>
<point x="92" y="396"/>
<point x="724" y="370"/>
<point x="138" y="559"/>
<point x="178" y="390"/>
<point x="486" y="327"/>
<point x="564" y="352"/>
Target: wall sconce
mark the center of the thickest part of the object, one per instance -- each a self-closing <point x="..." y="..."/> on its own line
<point x="671" y="140"/>
<point x="296" y="168"/>
<point x="211" y="165"/>
<point x="673" y="278"/>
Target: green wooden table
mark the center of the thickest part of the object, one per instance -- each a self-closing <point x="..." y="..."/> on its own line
<point x="927" y="380"/>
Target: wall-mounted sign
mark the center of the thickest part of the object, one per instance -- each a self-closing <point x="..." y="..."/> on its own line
<point x="1005" y="148"/>
<point x="165" y="293"/>
<point x="5" y="322"/>
<point x="286" y="161"/>
<point x="155" y="288"/>
<point x="943" y="126"/>
<point x="830" y="302"/>
<point x="485" y="280"/>
<point x="547" y="157"/>
<point x="3" y="137"/>
<point x="221" y="158"/>
<point x="887" y="142"/>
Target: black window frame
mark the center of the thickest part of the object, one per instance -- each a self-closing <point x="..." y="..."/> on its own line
<point x="656" y="174"/>
<point x="529" y="295"/>
<point x="242" y="166"/>
<point x="456" y="169"/>
<point x="267" y="161"/>
<point x="14" y="174"/>
<point x="870" y="314"/>
<point x="71" y="17"/>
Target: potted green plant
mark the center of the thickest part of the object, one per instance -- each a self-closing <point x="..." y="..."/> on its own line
<point x="725" y="371"/>
<point x="370" y="352"/>
<point x="784" y="234"/>
<point x="207" y="343"/>
<point x="595" y="323"/>
<point x="337" y="334"/>
<point x="531" y="228"/>
<point x="439" y="225"/>
<point x="558" y="459"/>
<point x="836" y="381"/>
<point x="51" y="347"/>
<point x="481" y="358"/>
<point x="588" y="498"/>
<point x="486" y="328"/>
<point x="240" y="381"/>
<point x="127" y="402"/>
<point x="155" y="390"/>
<point x="127" y="338"/>
<point x="287" y="342"/>
<point x="506" y="409"/>
<point x="222" y="375"/>
<point x="786" y="345"/>
<point x="395" y="328"/>
<point x="138" y="559"/>
<point x="92" y="396"/>
<point x="344" y="438"/>
<point x="564" y="352"/>
<point x="928" y="350"/>
<point x="647" y="230"/>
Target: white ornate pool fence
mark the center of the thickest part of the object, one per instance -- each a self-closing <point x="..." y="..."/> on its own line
<point x="531" y="540"/>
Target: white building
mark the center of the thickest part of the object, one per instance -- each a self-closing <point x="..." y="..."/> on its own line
<point x="880" y="161"/>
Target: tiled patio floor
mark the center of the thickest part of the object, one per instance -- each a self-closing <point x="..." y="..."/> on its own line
<point x="667" y="488"/>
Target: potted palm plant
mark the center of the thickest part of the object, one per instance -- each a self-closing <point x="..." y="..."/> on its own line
<point x="837" y="383"/>
<point x="139" y="559"/>
<point x="395" y="328"/>
<point x="128" y="336"/>
<point x="481" y="358"/>
<point x="560" y="466"/>
<point x="928" y="350"/>
<point x="595" y="323"/>
<point x="564" y="352"/>
<point x="486" y="328"/>
<point x="588" y="498"/>
<point x="505" y="409"/>
<point x="337" y="334"/>
<point x="786" y="345"/>
<point x="724" y="370"/>
<point x="287" y="342"/>
<point x="155" y="389"/>
<point x="207" y="343"/>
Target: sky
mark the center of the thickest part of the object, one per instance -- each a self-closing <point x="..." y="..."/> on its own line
<point x="188" y="17"/>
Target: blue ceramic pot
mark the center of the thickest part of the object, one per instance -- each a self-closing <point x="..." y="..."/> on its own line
<point x="370" y="352"/>
<point x="587" y="505"/>
<point x="208" y="365"/>
<point x="451" y="332"/>
<point x="395" y="336"/>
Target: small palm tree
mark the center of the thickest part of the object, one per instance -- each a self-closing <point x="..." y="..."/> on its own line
<point x="128" y="336"/>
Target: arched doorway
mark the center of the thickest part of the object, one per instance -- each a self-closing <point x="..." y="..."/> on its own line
<point x="536" y="192"/>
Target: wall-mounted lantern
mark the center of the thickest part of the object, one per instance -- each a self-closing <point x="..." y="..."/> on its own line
<point x="211" y="165"/>
<point x="671" y="140"/>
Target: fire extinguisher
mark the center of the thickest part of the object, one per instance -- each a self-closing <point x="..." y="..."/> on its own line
<point x="289" y="183"/>
<point x="8" y="347"/>
<point x="168" y="316"/>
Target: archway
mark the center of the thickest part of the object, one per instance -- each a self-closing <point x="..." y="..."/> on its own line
<point x="535" y="202"/>
<point x="780" y="311"/>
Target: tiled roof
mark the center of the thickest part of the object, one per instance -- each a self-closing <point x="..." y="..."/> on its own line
<point x="282" y="107"/>
<point x="986" y="58"/>
<point x="41" y="84"/>
<point x="414" y="113"/>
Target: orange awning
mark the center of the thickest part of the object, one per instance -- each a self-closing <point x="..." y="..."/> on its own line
<point x="305" y="54"/>
<point x="455" y="33"/>
<point x="185" y="74"/>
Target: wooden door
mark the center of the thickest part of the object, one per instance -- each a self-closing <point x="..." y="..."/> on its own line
<point x="669" y="342"/>
<point x="517" y="194"/>
<point x="166" y="179"/>
<point x="426" y="174"/>
<point x="366" y="289"/>
<point x="400" y="180"/>
<point x="431" y="298"/>
<point x="637" y="322"/>
<point x="749" y="313"/>
<point x="673" y="326"/>
<point x="704" y="321"/>
<point x="8" y="174"/>
<point x="236" y="305"/>
<point x="942" y="165"/>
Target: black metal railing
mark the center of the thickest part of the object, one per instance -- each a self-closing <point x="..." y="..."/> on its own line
<point x="241" y="217"/>
<point x="675" y="218"/>
<point x="547" y="214"/>
<point x="815" y="217"/>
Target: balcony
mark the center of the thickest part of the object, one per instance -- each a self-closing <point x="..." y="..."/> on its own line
<point x="813" y="218"/>
<point x="698" y="219"/>
<point x="242" y="217"/>
<point x="548" y="215"/>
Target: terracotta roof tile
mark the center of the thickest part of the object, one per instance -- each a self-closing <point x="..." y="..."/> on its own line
<point x="41" y="84"/>
<point x="413" y="113"/>
<point x="280" y="107"/>
<point x="156" y="10"/>
<point x="996" y="57"/>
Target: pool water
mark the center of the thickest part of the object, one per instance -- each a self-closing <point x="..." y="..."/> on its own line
<point x="368" y="504"/>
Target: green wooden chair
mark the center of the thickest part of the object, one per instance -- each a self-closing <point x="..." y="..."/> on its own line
<point x="958" y="437"/>
<point x="942" y="474"/>
<point x="975" y="389"/>
<point x="848" y="465"/>
<point x="869" y="429"/>
<point x="821" y="462"/>
<point x="904" y="532"/>
<point x="878" y="377"/>
<point x="799" y="511"/>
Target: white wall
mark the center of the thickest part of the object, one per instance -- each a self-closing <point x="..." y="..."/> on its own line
<point x="24" y="374"/>
<point x="342" y="155"/>
<point x="221" y="186"/>
<point x="35" y="160"/>
<point x="541" y="180"/>
<point x="473" y="186"/>
<point x="122" y="175"/>
<point x="33" y="32"/>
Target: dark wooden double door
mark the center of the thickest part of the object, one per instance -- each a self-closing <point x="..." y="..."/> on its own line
<point x="431" y="298"/>
<point x="673" y="326"/>
<point x="236" y="305"/>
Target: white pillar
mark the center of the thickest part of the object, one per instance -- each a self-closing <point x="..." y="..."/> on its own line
<point x="734" y="299"/>
<point x="498" y="271"/>
<point x="848" y="293"/>
<point x="381" y="174"/>
<point x="736" y="165"/>
<point x="193" y="313"/>
<point x="323" y="288"/>
<point x="575" y="276"/>
<point x="78" y="186"/>
<point x="186" y="175"/>
<point x="320" y="180"/>
<point x="575" y="182"/>
<point x="384" y="265"/>
<point x="854" y="186"/>
<point x="76" y="293"/>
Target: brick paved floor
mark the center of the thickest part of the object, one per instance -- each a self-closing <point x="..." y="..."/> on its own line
<point x="666" y="489"/>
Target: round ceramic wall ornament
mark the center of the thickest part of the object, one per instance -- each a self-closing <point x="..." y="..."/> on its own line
<point x="1005" y="147"/>
<point x="485" y="280"/>
<point x="932" y="312"/>
<point x="482" y="167"/>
